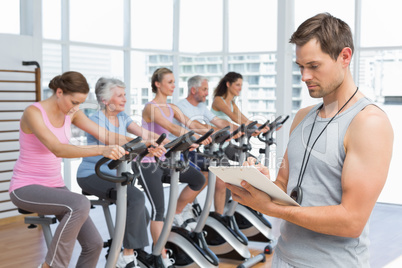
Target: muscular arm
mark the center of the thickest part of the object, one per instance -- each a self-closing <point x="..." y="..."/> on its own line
<point x="363" y="177"/>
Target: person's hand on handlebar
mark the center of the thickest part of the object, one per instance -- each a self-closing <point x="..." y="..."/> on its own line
<point x="193" y="146"/>
<point x="154" y="149"/>
<point x="204" y="142"/>
<point x="258" y="131"/>
<point x="114" y="152"/>
<point x="238" y="135"/>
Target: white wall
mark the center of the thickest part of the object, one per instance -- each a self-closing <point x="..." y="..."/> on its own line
<point x="17" y="48"/>
<point x="13" y="50"/>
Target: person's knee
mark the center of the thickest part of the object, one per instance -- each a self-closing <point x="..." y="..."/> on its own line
<point x="197" y="186"/>
<point x="198" y="182"/>
<point x="81" y="205"/>
<point x="94" y="246"/>
<point x="98" y="245"/>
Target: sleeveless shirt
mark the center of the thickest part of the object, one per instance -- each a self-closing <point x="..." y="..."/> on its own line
<point x="221" y="114"/>
<point x="36" y="164"/>
<point x="158" y="129"/>
<point x="321" y="186"/>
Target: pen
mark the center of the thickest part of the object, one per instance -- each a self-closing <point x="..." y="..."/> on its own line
<point x="258" y="161"/>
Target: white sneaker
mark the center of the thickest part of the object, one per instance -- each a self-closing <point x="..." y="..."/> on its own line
<point x="189" y="217"/>
<point x="124" y="260"/>
<point x="178" y="220"/>
<point x="168" y="262"/>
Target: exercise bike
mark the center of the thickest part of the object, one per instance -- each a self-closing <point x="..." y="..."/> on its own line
<point x="223" y="235"/>
<point x="189" y="247"/>
<point x="252" y="223"/>
<point x="170" y="236"/>
<point x="122" y="179"/>
<point x="175" y="148"/>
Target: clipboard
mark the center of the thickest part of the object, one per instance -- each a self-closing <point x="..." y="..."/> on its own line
<point x="235" y="174"/>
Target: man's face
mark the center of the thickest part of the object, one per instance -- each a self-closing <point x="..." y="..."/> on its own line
<point x="319" y="71"/>
<point x="202" y="92"/>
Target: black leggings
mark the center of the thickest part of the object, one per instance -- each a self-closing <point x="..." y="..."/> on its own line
<point x="151" y="180"/>
<point x="135" y="234"/>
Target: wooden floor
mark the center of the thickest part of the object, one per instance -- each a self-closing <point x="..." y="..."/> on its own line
<point x="22" y="247"/>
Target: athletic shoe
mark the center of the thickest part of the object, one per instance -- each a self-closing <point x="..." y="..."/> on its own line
<point x="178" y="220"/>
<point x="168" y="261"/>
<point x="127" y="261"/>
<point x="185" y="219"/>
<point x="189" y="217"/>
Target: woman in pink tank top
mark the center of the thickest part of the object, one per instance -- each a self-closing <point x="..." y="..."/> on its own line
<point x="37" y="184"/>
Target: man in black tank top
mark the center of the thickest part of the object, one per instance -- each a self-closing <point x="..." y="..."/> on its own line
<point x="337" y="159"/>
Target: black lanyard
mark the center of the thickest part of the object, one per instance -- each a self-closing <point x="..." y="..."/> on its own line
<point x="297" y="193"/>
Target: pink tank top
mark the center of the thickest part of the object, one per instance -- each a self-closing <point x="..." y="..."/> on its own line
<point x="158" y="129"/>
<point x="36" y="164"/>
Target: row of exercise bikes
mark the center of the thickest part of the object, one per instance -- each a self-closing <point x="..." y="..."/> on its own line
<point x="215" y="236"/>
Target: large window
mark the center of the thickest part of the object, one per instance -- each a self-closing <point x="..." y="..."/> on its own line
<point x="252" y="26"/>
<point x="201" y="38"/>
<point x="97" y="21"/>
<point x="210" y="67"/>
<point x="152" y="24"/>
<point x="380" y="76"/>
<point x="144" y="65"/>
<point x="343" y="9"/>
<point x="51" y="19"/>
<point x="200" y="25"/>
<point x="94" y="63"/>
<point x="381" y="23"/>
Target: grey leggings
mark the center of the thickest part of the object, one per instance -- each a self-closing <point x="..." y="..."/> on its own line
<point x="135" y="234"/>
<point x="152" y="181"/>
<point x="72" y="211"/>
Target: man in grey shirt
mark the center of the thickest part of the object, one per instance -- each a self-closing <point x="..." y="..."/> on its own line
<point x="337" y="159"/>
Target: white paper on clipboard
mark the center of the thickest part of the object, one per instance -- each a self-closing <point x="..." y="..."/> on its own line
<point x="235" y="174"/>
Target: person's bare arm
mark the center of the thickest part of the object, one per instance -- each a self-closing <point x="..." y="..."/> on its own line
<point x="32" y="123"/>
<point x="236" y="116"/>
<point x="152" y="114"/>
<point x="363" y="177"/>
<point x="222" y="123"/>
<point x="147" y="136"/>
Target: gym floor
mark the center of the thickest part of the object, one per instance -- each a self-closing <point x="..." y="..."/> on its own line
<point x="22" y="247"/>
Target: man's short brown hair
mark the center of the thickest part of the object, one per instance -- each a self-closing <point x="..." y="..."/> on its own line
<point x="332" y="34"/>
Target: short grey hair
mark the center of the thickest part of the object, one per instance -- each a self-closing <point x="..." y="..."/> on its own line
<point x="195" y="82"/>
<point x="103" y="89"/>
